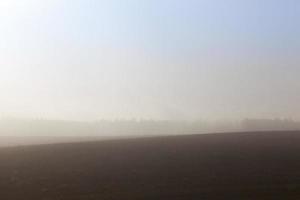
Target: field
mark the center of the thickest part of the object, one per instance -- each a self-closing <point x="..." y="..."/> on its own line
<point x="260" y="165"/>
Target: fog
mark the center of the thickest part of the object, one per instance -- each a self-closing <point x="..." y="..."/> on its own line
<point x="15" y="132"/>
<point x="174" y="67"/>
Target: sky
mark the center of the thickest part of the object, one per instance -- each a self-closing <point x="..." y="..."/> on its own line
<point x="150" y="59"/>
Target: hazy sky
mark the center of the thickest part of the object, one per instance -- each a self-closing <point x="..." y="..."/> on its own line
<point x="161" y="59"/>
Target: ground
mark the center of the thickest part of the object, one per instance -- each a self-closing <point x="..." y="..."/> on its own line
<point x="260" y="165"/>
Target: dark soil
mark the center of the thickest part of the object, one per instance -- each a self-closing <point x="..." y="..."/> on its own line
<point x="261" y="165"/>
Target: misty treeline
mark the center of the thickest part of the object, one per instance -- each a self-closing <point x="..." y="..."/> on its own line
<point x="120" y="128"/>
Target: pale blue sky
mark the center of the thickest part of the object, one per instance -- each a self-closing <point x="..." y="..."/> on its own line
<point x="162" y="59"/>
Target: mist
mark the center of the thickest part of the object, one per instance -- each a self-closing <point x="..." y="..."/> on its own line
<point x="174" y="67"/>
<point x="16" y="132"/>
<point x="149" y="99"/>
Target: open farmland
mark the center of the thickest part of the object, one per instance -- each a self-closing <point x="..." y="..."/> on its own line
<point x="260" y="165"/>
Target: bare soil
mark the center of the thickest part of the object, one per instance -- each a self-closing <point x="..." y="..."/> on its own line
<point x="260" y="165"/>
